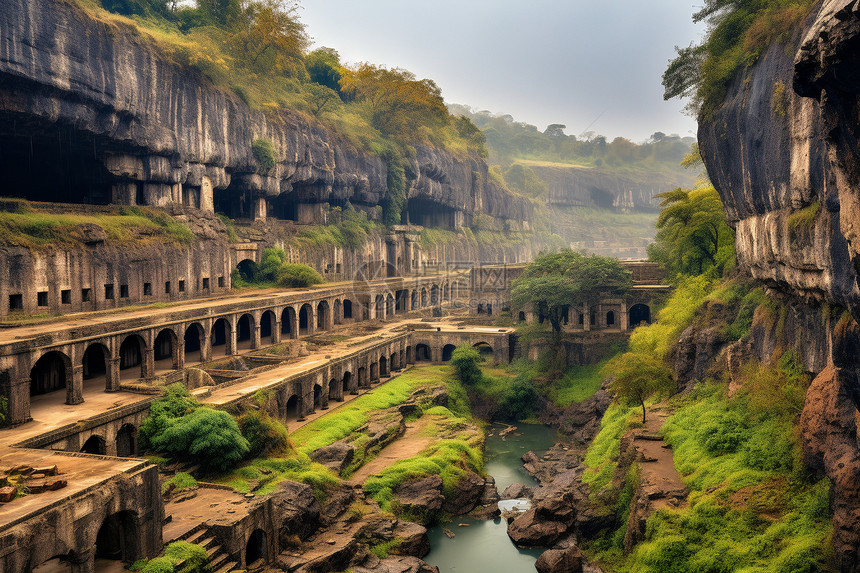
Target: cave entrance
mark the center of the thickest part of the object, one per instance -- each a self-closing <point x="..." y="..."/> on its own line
<point x="430" y="214"/>
<point x="256" y="548"/>
<point x="639" y="314"/>
<point x="118" y="538"/>
<point x="42" y="161"/>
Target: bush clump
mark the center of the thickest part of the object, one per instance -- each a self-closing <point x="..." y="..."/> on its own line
<point x="264" y="153"/>
<point x="465" y="360"/>
<point x="273" y="270"/>
<point x="264" y="434"/>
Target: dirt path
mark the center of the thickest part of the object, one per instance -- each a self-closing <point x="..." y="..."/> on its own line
<point x="410" y="444"/>
<point x="659" y="476"/>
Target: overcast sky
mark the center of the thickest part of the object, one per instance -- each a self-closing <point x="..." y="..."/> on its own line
<point x="542" y="61"/>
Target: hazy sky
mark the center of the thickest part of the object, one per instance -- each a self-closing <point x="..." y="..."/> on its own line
<point x="542" y="61"/>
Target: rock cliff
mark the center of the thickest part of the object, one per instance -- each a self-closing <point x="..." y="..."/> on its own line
<point x="135" y="127"/>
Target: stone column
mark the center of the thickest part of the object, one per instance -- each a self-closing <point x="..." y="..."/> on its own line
<point x="179" y="362"/>
<point x="19" y="401"/>
<point x="205" y="348"/>
<point x="231" y="340"/>
<point x="84" y="563"/>
<point x="112" y="375"/>
<point x="623" y="318"/>
<point x="75" y="390"/>
<point x="276" y="334"/>
<point x="147" y="368"/>
<point x="601" y="317"/>
<point x="586" y="317"/>
<point x="255" y="336"/>
<point x="260" y="208"/>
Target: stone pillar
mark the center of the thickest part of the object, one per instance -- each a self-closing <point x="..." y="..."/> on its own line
<point x="207" y="196"/>
<point x="623" y="318"/>
<point x="231" y="340"/>
<point x="255" y="336"/>
<point x="19" y="401"/>
<point x="124" y="193"/>
<point x="112" y="375"/>
<point x="260" y="208"/>
<point x="586" y="317"/>
<point x="84" y="563"/>
<point x="276" y="334"/>
<point x="205" y="348"/>
<point x="179" y="362"/>
<point x="147" y="368"/>
<point x="75" y="390"/>
<point x="601" y="317"/>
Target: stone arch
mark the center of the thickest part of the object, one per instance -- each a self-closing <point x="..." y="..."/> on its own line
<point x="423" y="353"/>
<point x="521" y="316"/>
<point x="306" y="320"/>
<point x="165" y="350"/>
<point x="318" y="396"/>
<point x="333" y="389"/>
<point x="446" y="292"/>
<point x="447" y="352"/>
<point x="288" y="322"/>
<point x="255" y="549"/>
<point x="414" y="302"/>
<point x="94" y="445"/>
<point x="132" y="353"/>
<point x="293" y="408"/>
<point x="374" y="371"/>
<point x="118" y="538"/>
<point x="424" y="298"/>
<point x="245" y="332"/>
<point x="389" y="305"/>
<point x="610" y="318"/>
<point x="345" y="383"/>
<point x="383" y="366"/>
<point x="393" y="362"/>
<point x="126" y="441"/>
<point x="409" y="358"/>
<point x="640" y="313"/>
<point x="220" y="337"/>
<point x="194" y="339"/>
<point x="362" y="377"/>
<point x="347" y="309"/>
<point x="322" y="315"/>
<point x="485" y="348"/>
<point x="268" y="332"/>
<point x="434" y="295"/>
<point x="379" y="305"/>
<point x="95" y="365"/>
<point x="337" y="311"/>
<point x="247" y="270"/>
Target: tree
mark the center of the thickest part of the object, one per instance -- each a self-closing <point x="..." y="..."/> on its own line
<point x="517" y="400"/>
<point x="637" y="377"/>
<point x="320" y="98"/>
<point x="269" y="37"/>
<point x="554" y="282"/>
<point x="555" y="130"/>
<point x="465" y="361"/>
<point x="323" y="65"/>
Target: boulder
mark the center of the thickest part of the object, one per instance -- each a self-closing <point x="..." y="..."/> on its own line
<point x="421" y="495"/>
<point x="517" y="491"/>
<point x="335" y="457"/>
<point x="568" y="560"/>
<point x="415" y="541"/>
<point x="7" y="493"/>
<point x="466" y="495"/>
<point x="297" y="509"/>
<point x="532" y="530"/>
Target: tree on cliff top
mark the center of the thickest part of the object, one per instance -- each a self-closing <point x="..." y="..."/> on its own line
<point x="637" y="377"/>
<point x="556" y="281"/>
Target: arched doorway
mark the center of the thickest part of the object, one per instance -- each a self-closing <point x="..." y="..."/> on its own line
<point x="393" y="363"/>
<point x="422" y="353"/>
<point x="423" y="297"/>
<point x="131" y="353"/>
<point x="293" y="407"/>
<point x="485" y="349"/>
<point x="521" y="316"/>
<point x="347" y="309"/>
<point x="288" y="322"/>
<point x="267" y="327"/>
<point x="374" y="372"/>
<point x="247" y="270"/>
<point x="322" y="315"/>
<point x="414" y="302"/>
<point x="194" y="339"/>
<point x="333" y="387"/>
<point x="640" y="314"/>
<point x="383" y="366"/>
<point x="220" y="337"/>
<point x="95" y="367"/>
<point x="446" y="293"/>
<point x="256" y="549"/>
<point x="118" y="538"/>
<point x="164" y="350"/>
<point x="610" y="318"/>
<point x="94" y="445"/>
<point x="347" y="377"/>
<point x="126" y="441"/>
<point x="318" y="394"/>
<point x="305" y="320"/>
<point x="380" y="306"/>
<point x="245" y="332"/>
<point x="434" y="295"/>
<point x="389" y="305"/>
<point x="447" y="352"/>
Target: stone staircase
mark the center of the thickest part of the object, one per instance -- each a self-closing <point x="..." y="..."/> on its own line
<point x="219" y="561"/>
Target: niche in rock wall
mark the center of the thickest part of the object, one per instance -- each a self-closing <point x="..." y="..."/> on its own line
<point x="602" y="198"/>
<point x="431" y="214"/>
<point x="285" y="206"/>
<point x="236" y="201"/>
<point x="43" y="161"/>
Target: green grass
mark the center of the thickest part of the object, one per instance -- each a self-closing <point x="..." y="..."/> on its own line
<point x="181" y="481"/>
<point x="578" y="384"/>
<point x="602" y="456"/>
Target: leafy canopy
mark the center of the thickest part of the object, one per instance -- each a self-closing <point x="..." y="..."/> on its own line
<point x="556" y="281"/>
<point x="637" y="377"/>
<point x="465" y="360"/>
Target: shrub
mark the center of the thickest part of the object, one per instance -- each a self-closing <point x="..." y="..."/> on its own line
<point x="208" y="437"/>
<point x="465" y="360"/>
<point x="517" y="401"/>
<point x="175" y="403"/>
<point x="265" y="435"/>
<point x="194" y="556"/>
<point x="181" y="482"/>
<point x="294" y="275"/>
<point x="265" y="154"/>
<point x="158" y="565"/>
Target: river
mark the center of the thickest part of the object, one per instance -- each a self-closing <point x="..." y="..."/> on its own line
<point x="484" y="545"/>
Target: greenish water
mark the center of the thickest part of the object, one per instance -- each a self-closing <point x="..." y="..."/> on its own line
<point x="484" y="546"/>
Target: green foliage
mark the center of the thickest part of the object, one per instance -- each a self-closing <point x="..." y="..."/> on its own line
<point x="517" y="400"/>
<point x="553" y="282"/>
<point x="692" y="234"/>
<point x="636" y="377"/>
<point x="295" y="275"/>
<point x="739" y="32"/>
<point x="578" y="384"/>
<point x="193" y="556"/>
<point x="324" y="67"/>
<point x="265" y="154"/>
<point x="274" y="270"/>
<point x="383" y="549"/>
<point x="174" y="403"/>
<point x="802" y="220"/>
<point x="522" y="179"/>
<point x="602" y="455"/>
<point x="465" y="360"/>
<point x="180" y="482"/>
<point x="158" y="565"/>
<point x="265" y="435"/>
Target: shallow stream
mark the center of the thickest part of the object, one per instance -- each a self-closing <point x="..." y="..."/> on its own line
<point x="484" y="546"/>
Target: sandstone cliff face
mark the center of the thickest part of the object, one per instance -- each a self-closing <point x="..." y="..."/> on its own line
<point x="784" y="142"/>
<point x="165" y="133"/>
